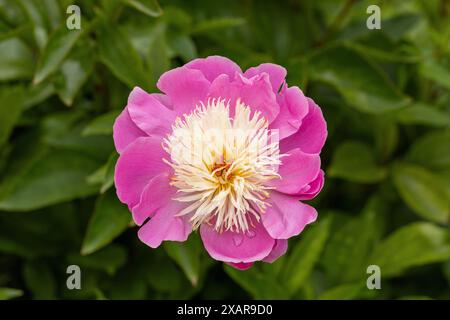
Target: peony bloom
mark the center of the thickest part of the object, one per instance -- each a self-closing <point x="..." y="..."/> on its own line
<point x="231" y="154"/>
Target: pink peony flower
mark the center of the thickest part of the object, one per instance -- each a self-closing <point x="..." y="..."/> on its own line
<point x="222" y="151"/>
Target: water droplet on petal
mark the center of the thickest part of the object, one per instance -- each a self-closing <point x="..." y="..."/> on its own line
<point x="251" y="234"/>
<point x="237" y="239"/>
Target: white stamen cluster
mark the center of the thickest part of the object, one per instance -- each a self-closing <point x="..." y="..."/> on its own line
<point x="222" y="164"/>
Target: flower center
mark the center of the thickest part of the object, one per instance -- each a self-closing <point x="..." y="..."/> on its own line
<point x="222" y="164"/>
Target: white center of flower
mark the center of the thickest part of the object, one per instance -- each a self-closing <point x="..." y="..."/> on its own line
<point x="222" y="164"/>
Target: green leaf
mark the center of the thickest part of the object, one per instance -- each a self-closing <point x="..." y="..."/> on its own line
<point x="46" y="232"/>
<point x="346" y="291"/>
<point x="108" y="259"/>
<point x="436" y="72"/>
<point x="386" y="51"/>
<point x="410" y="246"/>
<point x="74" y="72"/>
<point x="104" y="175"/>
<point x="38" y="93"/>
<point x="216" y="24"/>
<point x="363" y="86"/>
<point x="12" y="33"/>
<point x="183" y="46"/>
<point x="431" y="150"/>
<point x="259" y="284"/>
<point x="424" y="192"/>
<point x="415" y="298"/>
<point x="50" y="177"/>
<point x="187" y="256"/>
<point x="97" y="176"/>
<point x="9" y="293"/>
<point x="111" y="8"/>
<point x="40" y="280"/>
<point x="422" y="114"/>
<point x="148" y="7"/>
<point x="354" y="161"/>
<point x="386" y="137"/>
<point x="399" y="25"/>
<point x="127" y="284"/>
<point x="52" y="10"/>
<point x="108" y="179"/>
<point x="109" y="219"/>
<point x="347" y="249"/>
<point x="162" y="274"/>
<point x="57" y="48"/>
<point x="90" y="285"/>
<point x="16" y="60"/>
<point x="35" y="13"/>
<point x="304" y="255"/>
<point x="11" y="106"/>
<point x="446" y="270"/>
<point x="103" y="124"/>
<point x="122" y="59"/>
<point x="63" y="130"/>
<point x="394" y="28"/>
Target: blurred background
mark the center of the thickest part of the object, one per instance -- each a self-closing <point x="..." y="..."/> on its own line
<point x="385" y="95"/>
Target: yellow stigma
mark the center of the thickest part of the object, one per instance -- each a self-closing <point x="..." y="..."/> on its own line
<point x="222" y="164"/>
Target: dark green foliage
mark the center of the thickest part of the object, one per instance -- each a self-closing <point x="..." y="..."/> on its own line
<point x="384" y="93"/>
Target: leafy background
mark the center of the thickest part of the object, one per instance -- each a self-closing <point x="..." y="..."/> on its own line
<point x="385" y="94"/>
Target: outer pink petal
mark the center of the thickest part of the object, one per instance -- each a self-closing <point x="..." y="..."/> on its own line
<point x="165" y="225"/>
<point x="213" y="66"/>
<point x="155" y="195"/>
<point x="137" y="165"/>
<point x="240" y="266"/>
<point x="185" y="88"/>
<point x="313" y="188"/>
<point x="237" y="247"/>
<point x="163" y="99"/>
<point x="125" y="131"/>
<point x="287" y="216"/>
<point x="276" y="73"/>
<point x="255" y="92"/>
<point x="293" y="108"/>
<point x="278" y="250"/>
<point x="150" y="115"/>
<point x="312" y="133"/>
<point x="297" y="170"/>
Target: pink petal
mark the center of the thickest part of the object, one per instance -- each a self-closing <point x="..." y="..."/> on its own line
<point x="293" y="108"/>
<point x="278" y="250"/>
<point x="241" y="265"/>
<point x="185" y="88"/>
<point x="234" y="247"/>
<point x="150" y="115"/>
<point x="213" y="66"/>
<point x="155" y="195"/>
<point x="165" y="225"/>
<point x="137" y="165"/>
<point x="255" y="92"/>
<point x="125" y="131"/>
<point x="222" y="87"/>
<point x="312" y="133"/>
<point x="297" y="170"/>
<point x="163" y="99"/>
<point x="313" y="188"/>
<point x="277" y="74"/>
<point x="287" y="216"/>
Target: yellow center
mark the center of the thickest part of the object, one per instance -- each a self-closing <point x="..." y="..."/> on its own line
<point x="222" y="164"/>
